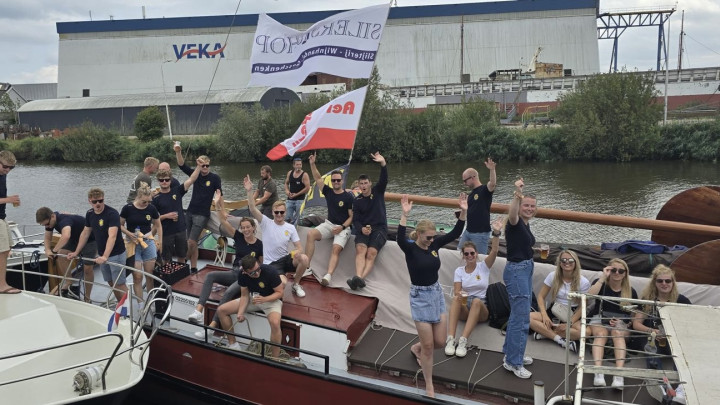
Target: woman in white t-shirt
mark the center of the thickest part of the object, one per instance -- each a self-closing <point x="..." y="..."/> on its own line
<point x="553" y="325"/>
<point x="472" y="278"/>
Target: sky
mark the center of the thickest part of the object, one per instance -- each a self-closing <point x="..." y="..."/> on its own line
<point x="30" y="41"/>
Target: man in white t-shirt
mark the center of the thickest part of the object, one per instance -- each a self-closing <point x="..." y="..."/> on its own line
<point x="276" y="235"/>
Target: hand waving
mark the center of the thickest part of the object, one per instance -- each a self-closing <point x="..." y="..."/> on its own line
<point x="405" y="204"/>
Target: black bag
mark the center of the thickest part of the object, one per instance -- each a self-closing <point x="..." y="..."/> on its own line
<point x="498" y="303"/>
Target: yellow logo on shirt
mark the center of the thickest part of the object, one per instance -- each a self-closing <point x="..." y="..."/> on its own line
<point x="434" y="253"/>
<point x="252" y="254"/>
<point x="207" y="183"/>
<point x="175" y="197"/>
<point x="261" y="284"/>
<point x="101" y="222"/>
<point x="340" y="204"/>
<point x="147" y="217"/>
<point x="476" y="196"/>
<point x="287" y="233"/>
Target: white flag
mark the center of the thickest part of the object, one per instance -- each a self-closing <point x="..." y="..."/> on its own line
<point x="332" y="126"/>
<point x="344" y="44"/>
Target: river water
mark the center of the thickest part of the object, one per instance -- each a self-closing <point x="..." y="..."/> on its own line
<point x="634" y="189"/>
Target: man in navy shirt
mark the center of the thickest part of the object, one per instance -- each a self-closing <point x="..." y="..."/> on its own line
<point x="479" y="202"/>
<point x="369" y="223"/>
<point x="7" y="163"/>
<point x="337" y="224"/>
<point x="103" y="222"/>
<point x="200" y="202"/>
<point x="69" y="227"/>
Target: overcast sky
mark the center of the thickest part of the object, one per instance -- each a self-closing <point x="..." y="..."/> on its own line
<point x="30" y="42"/>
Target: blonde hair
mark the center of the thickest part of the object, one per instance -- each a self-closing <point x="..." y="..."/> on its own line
<point x="151" y="161"/>
<point x="279" y="203"/>
<point x="95" y="193"/>
<point x="650" y="292"/>
<point x="422" y="226"/>
<point x="8" y="157"/>
<point x="163" y="174"/>
<point x="626" y="289"/>
<point x="204" y="159"/>
<point x="143" y="191"/>
<point x="558" y="282"/>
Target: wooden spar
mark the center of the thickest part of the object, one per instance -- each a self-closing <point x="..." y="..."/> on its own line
<point x="575" y="216"/>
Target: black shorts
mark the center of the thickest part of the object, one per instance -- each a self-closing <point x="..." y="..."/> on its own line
<point x="376" y="239"/>
<point x="283" y="264"/>
<point x="174" y="245"/>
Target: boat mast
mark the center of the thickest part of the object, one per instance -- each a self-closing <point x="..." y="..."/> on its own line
<point x="680" y="48"/>
<point x="667" y="60"/>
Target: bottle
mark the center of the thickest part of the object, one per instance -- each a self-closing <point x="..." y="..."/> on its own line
<point x="652" y="361"/>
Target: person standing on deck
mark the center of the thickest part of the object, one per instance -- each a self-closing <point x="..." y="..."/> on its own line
<point x="200" y="202"/>
<point x="479" y="202"/>
<point x="337" y="224"/>
<point x="297" y="184"/>
<point x="517" y="277"/>
<point x="145" y="176"/>
<point x="369" y="223"/>
<point x="103" y="221"/>
<point x="427" y="301"/>
<point x="70" y="227"/>
<point x="7" y="163"/>
<point x="266" y="193"/>
<point x="166" y="166"/>
<point x="276" y="235"/>
<point x="169" y="204"/>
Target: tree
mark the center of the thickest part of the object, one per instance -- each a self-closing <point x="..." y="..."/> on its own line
<point x="611" y="117"/>
<point x="8" y="109"/>
<point x="150" y="124"/>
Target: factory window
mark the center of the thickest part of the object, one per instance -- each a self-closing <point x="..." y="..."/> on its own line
<point x="178" y="89"/>
<point x="86" y="92"/>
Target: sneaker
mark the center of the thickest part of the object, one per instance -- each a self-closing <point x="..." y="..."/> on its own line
<point x="326" y="280"/>
<point x="196" y="317"/>
<point x="573" y="346"/>
<point x="200" y="334"/>
<point x="519" y="371"/>
<point x="538" y="336"/>
<point x="351" y="283"/>
<point x="234" y="346"/>
<point x="680" y="394"/>
<point x="599" y="380"/>
<point x="618" y="382"/>
<point x="450" y="346"/>
<point x="360" y="282"/>
<point x="194" y="270"/>
<point x="527" y="360"/>
<point x="298" y="290"/>
<point x="461" y="350"/>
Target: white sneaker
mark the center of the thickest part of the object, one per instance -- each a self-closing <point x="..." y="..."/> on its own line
<point x="618" y="382"/>
<point x="326" y="280"/>
<point x="527" y="360"/>
<point x="200" y="334"/>
<point x="538" y="336"/>
<point x="450" y="346"/>
<point x="234" y="346"/>
<point x="461" y="350"/>
<point x="196" y="317"/>
<point x="599" y="380"/>
<point x="298" y="290"/>
<point x="680" y="394"/>
<point x="519" y="371"/>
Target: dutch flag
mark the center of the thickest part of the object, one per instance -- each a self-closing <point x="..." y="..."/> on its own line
<point x="122" y="309"/>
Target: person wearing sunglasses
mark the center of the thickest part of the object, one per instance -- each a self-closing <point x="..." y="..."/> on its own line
<point x="565" y="279"/>
<point x="261" y="289"/>
<point x="141" y="220"/>
<point x="266" y="193"/>
<point x="103" y="222"/>
<point x="471" y="280"/>
<point x="608" y="318"/>
<point x="517" y="277"/>
<point x="479" y="202"/>
<point x="202" y="198"/>
<point x="297" y="184"/>
<point x="277" y="234"/>
<point x="172" y="217"/>
<point x="150" y="166"/>
<point x="427" y="302"/>
<point x="7" y="163"/>
<point x="337" y="224"/>
<point x="69" y="227"/>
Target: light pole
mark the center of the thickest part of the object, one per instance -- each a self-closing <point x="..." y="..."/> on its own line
<point x="167" y="109"/>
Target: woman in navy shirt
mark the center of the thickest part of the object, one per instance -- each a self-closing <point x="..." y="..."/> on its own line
<point x="427" y="302"/>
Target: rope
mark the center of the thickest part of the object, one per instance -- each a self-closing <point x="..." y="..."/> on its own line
<point x="477" y="357"/>
<point x="35" y="260"/>
<point x="379" y="369"/>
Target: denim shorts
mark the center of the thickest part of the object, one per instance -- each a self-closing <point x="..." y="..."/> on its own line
<point x="471" y="298"/>
<point x="146" y="254"/>
<point x="111" y="272"/>
<point x="427" y="303"/>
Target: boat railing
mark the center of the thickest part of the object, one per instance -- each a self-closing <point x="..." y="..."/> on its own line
<point x="160" y="296"/>
<point x="262" y="342"/>
<point x="650" y="376"/>
<point x="105" y="359"/>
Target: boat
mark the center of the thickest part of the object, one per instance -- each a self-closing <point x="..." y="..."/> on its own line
<point x="354" y="346"/>
<point x="58" y="350"/>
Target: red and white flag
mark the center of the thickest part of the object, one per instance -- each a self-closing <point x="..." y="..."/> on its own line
<point x="332" y="126"/>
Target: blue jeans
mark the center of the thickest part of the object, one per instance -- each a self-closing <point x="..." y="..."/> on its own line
<point x="518" y="280"/>
<point x="293" y="210"/>
<point x="480" y="239"/>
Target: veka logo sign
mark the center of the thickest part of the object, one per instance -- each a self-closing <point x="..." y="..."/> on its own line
<point x="198" y="51"/>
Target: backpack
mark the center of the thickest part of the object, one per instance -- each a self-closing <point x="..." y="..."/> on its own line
<point x="498" y="303"/>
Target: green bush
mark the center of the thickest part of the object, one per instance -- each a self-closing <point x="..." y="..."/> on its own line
<point x="92" y="143"/>
<point x="240" y="132"/>
<point x="47" y="149"/>
<point x="150" y="124"/>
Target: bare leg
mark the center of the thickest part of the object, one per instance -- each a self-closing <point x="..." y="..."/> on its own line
<point x="537" y="325"/>
<point x="301" y="263"/>
<point x="137" y="281"/>
<point x="618" y="337"/>
<point x="360" y="251"/>
<point x="334" y="258"/>
<point x="119" y="290"/>
<point x="149" y="267"/>
<point x="312" y="236"/>
<point x="193" y="253"/>
<point x="275" y="332"/>
<point x="224" y="312"/>
<point x="3" y="270"/>
<point x="369" y="261"/>
<point x="455" y="314"/>
<point x="88" y="269"/>
<point x="478" y="310"/>
<point x="425" y="333"/>
<point x="598" y="349"/>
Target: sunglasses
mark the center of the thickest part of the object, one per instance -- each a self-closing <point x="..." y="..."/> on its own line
<point x="468" y="253"/>
<point x="278" y="212"/>
<point x="467" y="178"/>
<point x="204" y="166"/>
<point x="145" y="201"/>
<point x="618" y="271"/>
<point x="429" y="238"/>
<point x="8" y="167"/>
<point x="163" y="180"/>
<point x="664" y="280"/>
<point x="100" y="201"/>
<point x="566" y="261"/>
<point x="46" y="224"/>
<point x="252" y="273"/>
<point x="336" y="180"/>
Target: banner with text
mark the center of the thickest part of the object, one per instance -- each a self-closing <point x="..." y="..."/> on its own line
<point x="344" y="45"/>
<point x="332" y="126"/>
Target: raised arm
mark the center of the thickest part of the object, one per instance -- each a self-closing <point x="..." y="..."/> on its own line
<point x="459" y="225"/>
<point x="251" y="204"/>
<point x="225" y="227"/>
<point x="514" y="208"/>
<point x="178" y="155"/>
<point x="313" y="168"/>
<point x="193" y="177"/>
<point x="497" y="226"/>
<point x="493" y="176"/>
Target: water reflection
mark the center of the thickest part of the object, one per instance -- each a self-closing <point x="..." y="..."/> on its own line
<point x="634" y="189"/>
